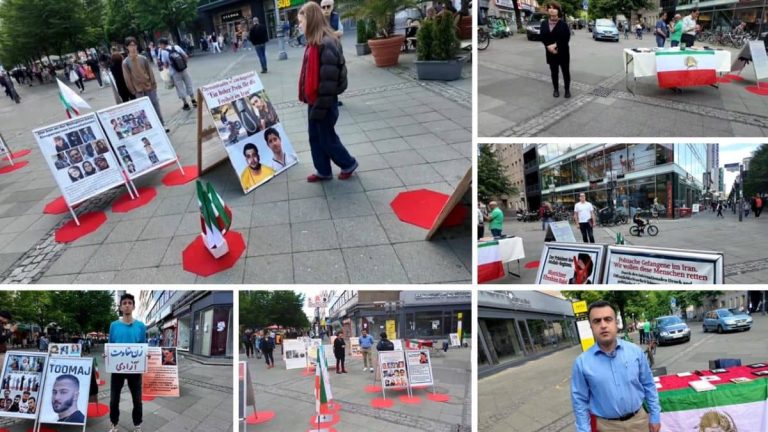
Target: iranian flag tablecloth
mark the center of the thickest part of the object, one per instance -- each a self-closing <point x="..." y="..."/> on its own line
<point x="489" y="264"/>
<point x="730" y="407"/>
<point x="686" y="68"/>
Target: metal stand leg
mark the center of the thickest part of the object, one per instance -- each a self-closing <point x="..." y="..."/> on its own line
<point x="519" y="270"/>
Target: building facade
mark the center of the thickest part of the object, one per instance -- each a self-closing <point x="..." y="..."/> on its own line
<point x="724" y="15"/>
<point x="514" y="326"/>
<point x="633" y="176"/>
<point x="511" y="158"/>
<point x="224" y="16"/>
<point x="712" y="175"/>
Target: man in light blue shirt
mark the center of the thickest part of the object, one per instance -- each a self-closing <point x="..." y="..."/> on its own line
<point x="366" y="344"/>
<point x="612" y="379"/>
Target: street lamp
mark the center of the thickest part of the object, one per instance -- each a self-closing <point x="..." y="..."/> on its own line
<point x="280" y="34"/>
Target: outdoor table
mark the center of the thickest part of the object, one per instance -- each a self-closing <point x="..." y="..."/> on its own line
<point x="510" y="249"/>
<point x="643" y="64"/>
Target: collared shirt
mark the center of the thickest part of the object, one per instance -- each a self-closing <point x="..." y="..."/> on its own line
<point x="287" y="160"/>
<point x="497" y="219"/>
<point x="249" y="180"/>
<point x="612" y="386"/>
<point x="689" y="25"/>
<point x="366" y="341"/>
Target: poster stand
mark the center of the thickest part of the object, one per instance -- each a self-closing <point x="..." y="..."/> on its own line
<point x="4" y="148"/>
<point x="205" y="136"/>
<point x="461" y="189"/>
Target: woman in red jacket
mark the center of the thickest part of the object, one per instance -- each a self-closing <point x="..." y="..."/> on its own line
<point x="323" y="78"/>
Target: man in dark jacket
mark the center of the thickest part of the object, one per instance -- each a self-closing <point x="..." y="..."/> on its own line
<point x="258" y="37"/>
<point x="385" y="344"/>
<point x="95" y="68"/>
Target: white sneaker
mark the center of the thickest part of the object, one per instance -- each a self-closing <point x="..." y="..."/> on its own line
<point x="137" y="428"/>
<point x="114" y="428"/>
<point x="365" y="369"/>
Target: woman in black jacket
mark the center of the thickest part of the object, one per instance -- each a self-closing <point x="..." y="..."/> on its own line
<point x="555" y="35"/>
<point x="323" y="78"/>
<point x="339" y="349"/>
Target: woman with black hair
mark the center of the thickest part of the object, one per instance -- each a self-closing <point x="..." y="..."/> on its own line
<point x="75" y="174"/>
<point x="555" y="36"/>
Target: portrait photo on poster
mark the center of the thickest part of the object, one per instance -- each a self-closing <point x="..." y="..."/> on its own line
<point x="21" y="383"/>
<point x="65" y="395"/>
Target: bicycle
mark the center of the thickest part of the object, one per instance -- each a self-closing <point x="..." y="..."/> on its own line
<point x="483" y="39"/>
<point x="637" y="230"/>
<point x="297" y="39"/>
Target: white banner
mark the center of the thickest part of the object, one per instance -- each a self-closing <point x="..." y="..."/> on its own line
<point x="294" y="354"/>
<point x="641" y="265"/>
<point x="398" y="344"/>
<point x="759" y="59"/>
<point x="247" y="123"/>
<point x="570" y="264"/>
<point x="4" y="148"/>
<point x="65" y="395"/>
<point x="392" y="367"/>
<point x="419" y="367"/>
<point x="79" y="157"/>
<point x="354" y="347"/>
<point x="126" y="358"/>
<point x="65" y="349"/>
<point x="329" y="356"/>
<point x="21" y="384"/>
<point x="454" y="339"/>
<point x="137" y="136"/>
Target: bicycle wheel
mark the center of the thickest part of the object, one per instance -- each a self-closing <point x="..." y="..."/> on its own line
<point x="634" y="230"/>
<point x="653" y="230"/>
<point x="483" y="41"/>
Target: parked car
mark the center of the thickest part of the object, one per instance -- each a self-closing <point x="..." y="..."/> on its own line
<point x="721" y="320"/>
<point x="605" y="29"/>
<point x="671" y="329"/>
<point x="532" y="28"/>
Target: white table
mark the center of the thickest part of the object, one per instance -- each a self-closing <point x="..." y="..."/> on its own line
<point x="511" y="249"/>
<point x="643" y="64"/>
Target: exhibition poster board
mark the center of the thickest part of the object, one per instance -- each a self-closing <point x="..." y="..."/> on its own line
<point x="242" y="373"/>
<point x="759" y="59"/>
<point x="66" y="390"/>
<point x="646" y="265"/>
<point x="79" y="156"/>
<point x="294" y="354"/>
<point x="126" y="358"/>
<point x="419" y="368"/>
<point x="560" y="232"/>
<point x="392" y="369"/>
<point x="454" y="339"/>
<point x="4" y="150"/>
<point x="138" y="137"/>
<point x="571" y="264"/>
<point x="354" y="347"/>
<point x="65" y="349"/>
<point x="21" y="384"/>
<point x="162" y="376"/>
<point x="329" y="356"/>
<point x="314" y="344"/>
<point x="247" y="123"/>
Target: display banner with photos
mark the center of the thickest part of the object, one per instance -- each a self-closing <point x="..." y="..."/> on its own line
<point x="354" y="347"/>
<point x="21" y="384"/>
<point x="137" y="137"/>
<point x="392" y="369"/>
<point x="66" y="390"/>
<point x="248" y="125"/>
<point x="162" y="376"/>
<point x="419" y="367"/>
<point x="294" y="354"/>
<point x="571" y="264"/>
<point x="645" y="265"/>
<point x="65" y="349"/>
<point x="454" y="339"/>
<point x="126" y="358"/>
<point x="79" y="157"/>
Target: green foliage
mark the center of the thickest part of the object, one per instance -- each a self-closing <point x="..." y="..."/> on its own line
<point x="362" y="32"/>
<point x="425" y="38"/>
<point x="119" y="22"/>
<point x="259" y="309"/>
<point x="372" y="30"/>
<point x="611" y="8"/>
<point x="491" y="180"/>
<point x="382" y="12"/>
<point x="757" y="177"/>
<point x="446" y="43"/>
<point x="73" y="311"/>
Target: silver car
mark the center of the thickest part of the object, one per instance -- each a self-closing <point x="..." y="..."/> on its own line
<point x="605" y="29"/>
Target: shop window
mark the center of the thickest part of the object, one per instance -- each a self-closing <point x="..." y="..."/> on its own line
<point x="428" y="325"/>
<point x="505" y="341"/>
<point x="664" y="154"/>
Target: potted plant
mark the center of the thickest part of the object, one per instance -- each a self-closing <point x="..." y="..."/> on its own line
<point x="362" y="38"/>
<point x="386" y="46"/>
<point x="436" y="49"/>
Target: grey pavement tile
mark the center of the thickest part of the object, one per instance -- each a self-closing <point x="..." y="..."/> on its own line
<point x="309" y="209"/>
<point x="57" y="280"/>
<point x="441" y="126"/>
<point x="146" y="253"/>
<point x="46" y="223"/>
<point x="275" y="239"/>
<point x="403" y="158"/>
<point x="273" y="213"/>
<point x="411" y="130"/>
<point x="269" y="269"/>
<point x="142" y="212"/>
<point x="108" y="257"/>
<point x="341" y="187"/>
<point x="8" y="259"/>
<point x="95" y="278"/>
<point x="462" y="247"/>
<point x="232" y="275"/>
<point x="190" y="224"/>
<point x="160" y="227"/>
<point x="362" y="149"/>
<point x="160" y="275"/>
<point x="319" y="267"/>
<point x="380" y="179"/>
<point x="303" y="189"/>
<point x="464" y="148"/>
<point x="360" y="231"/>
<point x="429" y="116"/>
<point x="173" y="254"/>
<point x="241" y="217"/>
<point x="399" y="231"/>
<point x="397" y="122"/>
<point x="424" y="141"/>
<point x="173" y="205"/>
<point x="25" y="241"/>
<point x="19" y="224"/>
<point x="371" y="162"/>
<point x="431" y="262"/>
<point x="418" y="109"/>
<point x="382" y="134"/>
<point x="349" y="205"/>
<point x="441" y="187"/>
<point x="6" y="240"/>
<point x="418" y="174"/>
<point x="440" y="153"/>
<point x="312" y="236"/>
<point x="373" y="124"/>
<point x="354" y="138"/>
<point x="452" y="171"/>
<point x="126" y="231"/>
<point x="391" y="145"/>
<point x="270" y="192"/>
<point x="72" y="260"/>
<point x="380" y="199"/>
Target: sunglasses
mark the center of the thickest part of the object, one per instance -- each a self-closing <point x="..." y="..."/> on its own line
<point x="327" y="7"/>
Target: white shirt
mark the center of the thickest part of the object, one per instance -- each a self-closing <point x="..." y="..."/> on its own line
<point x="689" y="25"/>
<point x="584" y="211"/>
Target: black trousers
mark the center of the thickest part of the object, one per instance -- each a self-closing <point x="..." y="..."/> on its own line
<point x="248" y="349"/>
<point x="566" y="68"/>
<point x="269" y="358"/>
<point x="340" y="363"/>
<point x="688" y="40"/>
<point x="116" y="386"/>
<point x="480" y="231"/>
<point x="586" y="232"/>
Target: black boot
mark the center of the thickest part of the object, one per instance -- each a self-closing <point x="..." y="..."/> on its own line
<point x="556" y="93"/>
<point x="567" y="93"/>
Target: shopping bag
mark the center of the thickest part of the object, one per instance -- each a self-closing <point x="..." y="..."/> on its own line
<point x="165" y="75"/>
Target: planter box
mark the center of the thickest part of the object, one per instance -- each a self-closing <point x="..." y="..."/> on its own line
<point x="445" y="70"/>
<point x="363" y="49"/>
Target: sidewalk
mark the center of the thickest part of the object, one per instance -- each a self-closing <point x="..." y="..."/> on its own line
<point x="290" y="394"/>
<point x="406" y="134"/>
<point x="205" y="404"/>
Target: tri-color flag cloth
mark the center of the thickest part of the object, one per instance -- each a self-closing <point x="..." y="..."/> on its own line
<point x="73" y="103"/>
<point x="686" y="68"/>
<point x="323" y="393"/>
<point x="215" y="218"/>
<point x="489" y="265"/>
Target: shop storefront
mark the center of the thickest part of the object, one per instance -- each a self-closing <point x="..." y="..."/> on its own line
<point x="226" y="16"/>
<point x="517" y="325"/>
<point x="724" y="15"/>
<point x="212" y="320"/>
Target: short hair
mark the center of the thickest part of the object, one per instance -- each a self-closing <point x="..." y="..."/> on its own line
<point x="587" y="260"/>
<point x="555" y="5"/>
<point x="271" y="131"/>
<point x="600" y="304"/>
<point x="162" y="40"/>
<point x="383" y="335"/>
<point x="5" y="314"/>
<point x="250" y="146"/>
<point x="131" y="39"/>
<point x="73" y="379"/>
<point x="694" y="10"/>
<point x="127" y="296"/>
<point x="26" y="392"/>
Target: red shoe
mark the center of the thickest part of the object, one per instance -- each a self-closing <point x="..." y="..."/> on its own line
<point x="347" y="175"/>
<point x="313" y="178"/>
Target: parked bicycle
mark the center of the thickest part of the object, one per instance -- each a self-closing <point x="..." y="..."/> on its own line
<point x="650" y="349"/>
<point x="483" y="39"/>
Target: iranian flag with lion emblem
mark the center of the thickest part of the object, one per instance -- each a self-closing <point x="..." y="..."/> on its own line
<point x="686" y="68"/>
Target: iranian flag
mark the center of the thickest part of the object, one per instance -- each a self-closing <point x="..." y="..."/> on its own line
<point x="686" y="68"/>
<point x="731" y="407"/>
<point x="322" y="382"/>
<point x="72" y="102"/>
<point x="489" y="265"/>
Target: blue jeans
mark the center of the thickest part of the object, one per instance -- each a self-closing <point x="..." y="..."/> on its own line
<point x="261" y="51"/>
<point x="660" y="41"/>
<point x="496" y="232"/>
<point x="674" y="43"/>
<point x="326" y="146"/>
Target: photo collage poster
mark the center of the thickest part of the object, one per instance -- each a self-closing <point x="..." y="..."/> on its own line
<point x="21" y="383"/>
<point x="294" y="354"/>
<point x="247" y="123"/>
<point x="65" y="349"/>
<point x="137" y="136"/>
<point x="80" y="158"/>
<point x="393" y="372"/>
<point x="66" y="391"/>
<point x="162" y="376"/>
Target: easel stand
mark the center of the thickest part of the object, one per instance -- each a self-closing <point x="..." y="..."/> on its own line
<point x="205" y="135"/>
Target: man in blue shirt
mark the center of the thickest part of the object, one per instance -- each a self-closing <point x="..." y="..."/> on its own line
<point x="366" y="344"/>
<point x="126" y="330"/>
<point x="612" y="379"/>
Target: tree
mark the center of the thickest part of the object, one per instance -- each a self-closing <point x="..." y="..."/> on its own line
<point x="86" y="311"/>
<point x="119" y="21"/>
<point x="36" y="307"/>
<point x="259" y="309"/>
<point x="155" y="15"/>
<point x="757" y="177"/>
<point x="611" y="8"/>
<point x="490" y="175"/>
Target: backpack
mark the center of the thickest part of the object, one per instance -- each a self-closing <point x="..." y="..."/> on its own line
<point x="178" y="62"/>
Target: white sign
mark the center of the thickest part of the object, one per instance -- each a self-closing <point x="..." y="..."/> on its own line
<point x="560" y="231"/>
<point x="644" y="265"/>
<point x="329" y="356"/>
<point x="137" y="136"/>
<point x="419" y="367"/>
<point x="21" y="384"/>
<point x="454" y="339"/>
<point x="695" y="208"/>
<point x="4" y="148"/>
<point x="80" y="158"/>
<point x="253" y="136"/>
<point x="759" y="59"/>
<point x="294" y="354"/>
<point x="317" y="301"/>
<point x="398" y="344"/>
<point x="65" y="395"/>
<point x="354" y="347"/>
<point x="314" y="344"/>
<point x="126" y="358"/>
<point x="65" y="349"/>
<point x="393" y="372"/>
<point x="570" y="264"/>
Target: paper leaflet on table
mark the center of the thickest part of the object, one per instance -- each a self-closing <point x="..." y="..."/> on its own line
<point x="71" y="100"/>
<point x="215" y="219"/>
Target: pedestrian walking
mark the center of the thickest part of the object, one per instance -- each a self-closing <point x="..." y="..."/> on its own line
<point x="215" y="43"/>
<point x="641" y="330"/>
<point x="584" y="215"/>
<point x="174" y="59"/>
<point x="267" y="348"/>
<point x="720" y="210"/>
<point x="495" y="219"/>
<point x="116" y="67"/>
<point x="333" y="17"/>
<point x="366" y="344"/>
<point x="555" y="35"/>
<point x="690" y="28"/>
<point x="662" y="30"/>
<point x="259" y="37"/>
<point x="139" y="77"/>
<point x="546" y="213"/>
<point x="93" y="63"/>
<point x="339" y="351"/>
<point x="76" y="76"/>
<point x="619" y="399"/>
<point x="248" y="343"/>
<point x="323" y="78"/>
<point x="745" y="207"/>
<point x="639" y="31"/>
<point x="7" y="82"/>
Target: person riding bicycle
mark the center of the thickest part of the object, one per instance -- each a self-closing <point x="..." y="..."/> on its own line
<point x="638" y="220"/>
